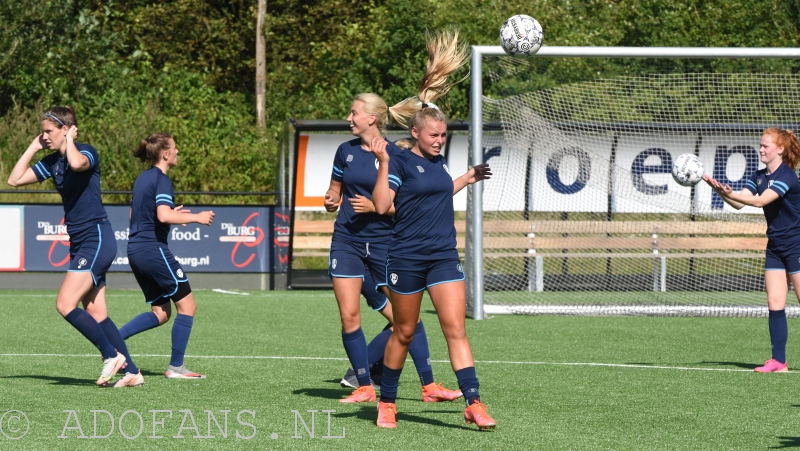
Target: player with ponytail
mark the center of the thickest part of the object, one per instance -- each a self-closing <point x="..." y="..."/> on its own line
<point x="75" y="170"/>
<point x="422" y="254"/>
<point x="775" y="189"/>
<point x="158" y="272"/>
<point x="358" y="255"/>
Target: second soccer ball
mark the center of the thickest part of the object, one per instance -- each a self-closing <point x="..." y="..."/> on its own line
<point x="687" y="170"/>
<point x="521" y="35"/>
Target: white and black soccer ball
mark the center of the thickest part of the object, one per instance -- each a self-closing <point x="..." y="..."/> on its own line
<point x="687" y="170"/>
<point x="521" y="35"/>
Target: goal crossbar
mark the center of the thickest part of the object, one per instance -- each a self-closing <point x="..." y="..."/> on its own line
<point x="474" y="232"/>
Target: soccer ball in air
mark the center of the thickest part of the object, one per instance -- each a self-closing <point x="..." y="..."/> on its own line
<point x="521" y="35"/>
<point x="687" y="170"/>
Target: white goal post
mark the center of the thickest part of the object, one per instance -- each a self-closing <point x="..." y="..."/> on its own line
<point x="650" y="226"/>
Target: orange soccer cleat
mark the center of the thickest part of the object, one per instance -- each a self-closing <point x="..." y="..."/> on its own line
<point x="436" y="393"/>
<point x="476" y="413"/>
<point x="361" y="394"/>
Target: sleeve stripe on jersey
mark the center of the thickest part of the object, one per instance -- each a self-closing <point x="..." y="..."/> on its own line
<point x="752" y="186"/>
<point x="337" y="172"/>
<point x="395" y="180"/>
<point x="89" y="156"/>
<point x="163" y="198"/>
<point x="780" y="186"/>
<point x="42" y="170"/>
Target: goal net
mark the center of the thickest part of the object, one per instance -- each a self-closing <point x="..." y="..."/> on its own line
<point x="582" y="215"/>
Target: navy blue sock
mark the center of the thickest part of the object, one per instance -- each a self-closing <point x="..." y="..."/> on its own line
<point x="390" y="379"/>
<point x="116" y="340"/>
<point x="92" y="331"/>
<point x="355" y="345"/>
<point x="181" y="329"/>
<point x="141" y="323"/>
<point x="421" y="355"/>
<point x="377" y="346"/>
<point x="468" y="383"/>
<point x="778" y="334"/>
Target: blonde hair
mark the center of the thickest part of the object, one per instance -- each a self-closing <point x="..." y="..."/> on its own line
<point x="788" y="140"/>
<point x="445" y="56"/>
<point x="375" y="105"/>
<point x="405" y="143"/>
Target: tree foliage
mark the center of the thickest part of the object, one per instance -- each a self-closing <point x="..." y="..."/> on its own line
<point x="187" y="66"/>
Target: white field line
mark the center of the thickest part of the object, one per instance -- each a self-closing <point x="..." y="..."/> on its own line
<point x="483" y="362"/>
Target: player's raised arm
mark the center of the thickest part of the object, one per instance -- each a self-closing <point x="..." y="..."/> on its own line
<point x="382" y="195"/>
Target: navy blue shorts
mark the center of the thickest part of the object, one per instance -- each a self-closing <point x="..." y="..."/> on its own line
<point x="783" y="258"/>
<point x="374" y="296"/>
<point x="350" y="260"/>
<point x="412" y="276"/>
<point x="93" y="250"/>
<point x="158" y="273"/>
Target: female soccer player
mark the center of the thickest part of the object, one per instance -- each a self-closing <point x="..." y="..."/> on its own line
<point x="358" y="251"/>
<point x="75" y="170"/>
<point x="776" y="190"/>
<point x="157" y="271"/>
<point x="422" y="253"/>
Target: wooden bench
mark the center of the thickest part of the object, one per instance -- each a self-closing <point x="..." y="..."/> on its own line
<point x="632" y="239"/>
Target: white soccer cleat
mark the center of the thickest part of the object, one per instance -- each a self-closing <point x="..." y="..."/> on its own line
<point x="110" y="367"/>
<point x="130" y="380"/>
<point x="180" y="372"/>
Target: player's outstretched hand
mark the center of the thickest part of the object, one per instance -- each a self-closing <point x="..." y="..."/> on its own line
<point x="717" y="186"/>
<point x="362" y="204"/>
<point x="479" y="172"/>
<point x="378" y="147"/>
<point x="205" y="217"/>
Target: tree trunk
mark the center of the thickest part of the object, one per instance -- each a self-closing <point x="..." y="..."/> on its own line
<point x="261" y="66"/>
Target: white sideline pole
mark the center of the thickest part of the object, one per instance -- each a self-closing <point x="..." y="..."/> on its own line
<point x="476" y="143"/>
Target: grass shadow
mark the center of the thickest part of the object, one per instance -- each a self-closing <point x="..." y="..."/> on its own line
<point x="55" y="380"/>
<point x="370" y="413"/>
<point x="747" y="366"/>
<point x="788" y="442"/>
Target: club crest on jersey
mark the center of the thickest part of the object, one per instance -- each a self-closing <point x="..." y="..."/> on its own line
<point x="420" y="169"/>
<point x="459" y="268"/>
<point x="393" y="278"/>
<point x="179" y="272"/>
<point x="445" y="168"/>
<point x="81" y="263"/>
<point x="759" y="182"/>
<point x="350" y="158"/>
<point x="333" y="264"/>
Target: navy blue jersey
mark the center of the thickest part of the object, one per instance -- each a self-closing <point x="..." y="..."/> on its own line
<point x="782" y="215"/>
<point x="357" y="170"/>
<point x="151" y="189"/>
<point x="424" y="219"/>
<point x="80" y="191"/>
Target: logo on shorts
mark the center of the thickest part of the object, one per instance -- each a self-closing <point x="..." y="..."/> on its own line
<point x="333" y="263"/>
<point x="459" y="268"/>
<point x="393" y="278"/>
<point x="445" y="168"/>
<point x="179" y="273"/>
<point x="420" y="169"/>
<point x="349" y="158"/>
<point x="81" y="263"/>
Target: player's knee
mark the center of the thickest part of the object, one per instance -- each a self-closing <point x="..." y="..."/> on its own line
<point x="404" y="332"/>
